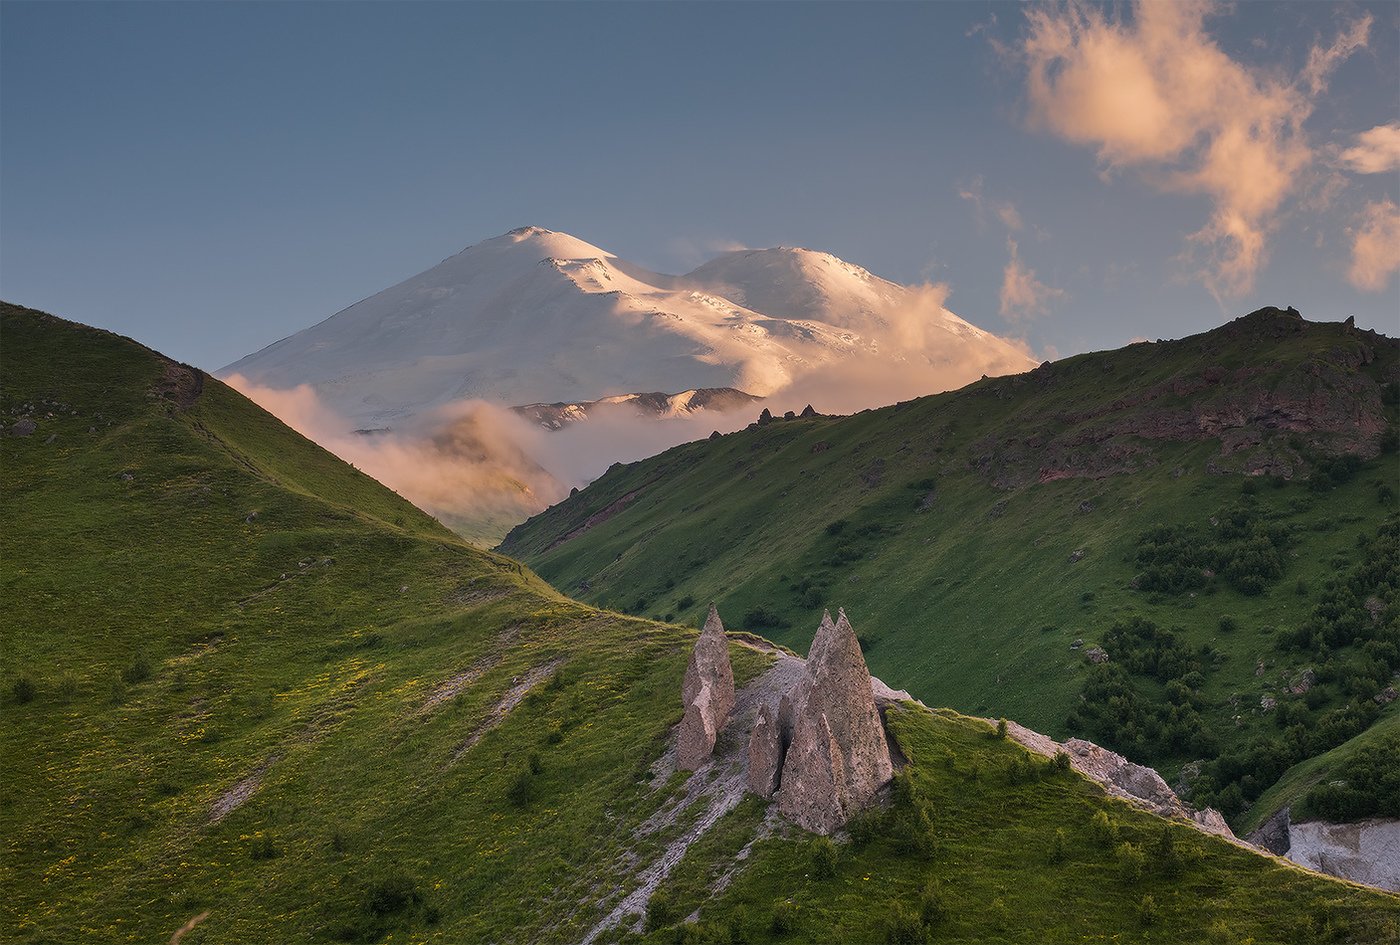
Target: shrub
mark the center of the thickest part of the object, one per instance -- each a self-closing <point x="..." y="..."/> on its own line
<point x="1104" y="830"/>
<point x="536" y="765"/>
<point x="391" y="895"/>
<point x="1167" y="858"/>
<point x="24" y="690"/>
<point x="1228" y="624"/>
<point x="1001" y="728"/>
<point x="1147" y="911"/>
<point x="661" y="911"/>
<point x="262" y="848"/>
<point x="1060" y="763"/>
<point x="824" y="858"/>
<point x="522" y="789"/>
<point x="904" y="927"/>
<point x="686" y="602"/>
<point x="138" y="671"/>
<point x="933" y="907"/>
<point x="784" y="918"/>
<point x="1058" y="847"/>
<point x="1131" y="861"/>
<point x="763" y="618"/>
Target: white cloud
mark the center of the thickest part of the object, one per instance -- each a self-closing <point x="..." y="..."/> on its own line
<point x="1157" y="94"/>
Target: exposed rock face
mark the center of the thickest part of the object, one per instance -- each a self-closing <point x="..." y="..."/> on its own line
<point x="826" y="755"/>
<point x="814" y="792"/>
<point x="708" y="695"/>
<point x="1364" y="852"/>
<point x="1272" y="834"/>
<point x="765" y="753"/>
<point x="1108" y="767"/>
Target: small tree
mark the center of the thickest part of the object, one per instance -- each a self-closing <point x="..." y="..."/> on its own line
<point x="1104" y="830"/>
<point x="1001" y="728"/>
<point x="904" y="927"/>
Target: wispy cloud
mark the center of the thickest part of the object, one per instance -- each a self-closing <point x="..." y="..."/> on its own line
<point x="1155" y="93"/>
<point x="1023" y="296"/>
<point x="1375" y="246"/>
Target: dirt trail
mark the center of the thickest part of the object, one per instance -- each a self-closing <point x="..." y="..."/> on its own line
<point x="512" y="698"/>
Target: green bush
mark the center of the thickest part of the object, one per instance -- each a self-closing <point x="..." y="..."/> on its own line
<point x="661" y="911"/>
<point x="1131" y="862"/>
<point x="825" y="856"/>
<point x="1147" y="911"/>
<point x="23" y="690"/>
<point x="933" y="906"/>
<point x="138" y="671"/>
<point x="522" y="789"/>
<point x="1104" y="831"/>
<point x="905" y="927"/>
<point x="1058" y="847"/>
<point x="784" y="918"/>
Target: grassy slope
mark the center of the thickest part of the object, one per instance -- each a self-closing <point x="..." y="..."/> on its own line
<point x="974" y="601"/>
<point x="178" y="648"/>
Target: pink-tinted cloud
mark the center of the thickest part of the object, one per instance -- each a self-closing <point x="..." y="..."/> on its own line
<point x="1023" y="296"/>
<point x="1375" y="246"/>
<point x="1376" y="151"/>
<point x="1155" y="93"/>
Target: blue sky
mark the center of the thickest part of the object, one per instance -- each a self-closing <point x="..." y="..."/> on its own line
<point x="210" y="177"/>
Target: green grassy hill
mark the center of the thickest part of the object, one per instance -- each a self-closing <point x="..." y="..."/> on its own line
<point x="986" y="540"/>
<point x="251" y="695"/>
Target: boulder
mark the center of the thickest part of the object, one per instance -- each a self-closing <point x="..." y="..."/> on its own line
<point x="707" y="694"/>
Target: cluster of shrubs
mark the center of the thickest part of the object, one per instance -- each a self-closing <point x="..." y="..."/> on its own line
<point x="1366" y="785"/>
<point x="1122" y="713"/>
<point x="1353" y="639"/>
<point x="1242" y="548"/>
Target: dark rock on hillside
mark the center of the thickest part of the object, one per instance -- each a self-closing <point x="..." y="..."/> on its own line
<point x="23" y="428"/>
<point x="707" y="693"/>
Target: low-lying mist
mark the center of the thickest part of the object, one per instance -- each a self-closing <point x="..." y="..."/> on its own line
<point x="481" y="468"/>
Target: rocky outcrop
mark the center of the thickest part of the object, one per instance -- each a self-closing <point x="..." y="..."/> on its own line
<point x="1119" y="777"/>
<point x="707" y="693"/>
<point x="825" y="756"/>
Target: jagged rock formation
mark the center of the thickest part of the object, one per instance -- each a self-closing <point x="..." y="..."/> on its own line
<point x="707" y="693"/>
<point x="1367" y="851"/>
<point x="826" y="756"/>
<point x="1135" y="783"/>
<point x="765" y="753"/>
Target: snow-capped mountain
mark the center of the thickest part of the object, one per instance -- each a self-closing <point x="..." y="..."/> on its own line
<point x="536" y="316"/>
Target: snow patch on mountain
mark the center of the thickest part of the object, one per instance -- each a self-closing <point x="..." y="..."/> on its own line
<point x="540" y="316"/>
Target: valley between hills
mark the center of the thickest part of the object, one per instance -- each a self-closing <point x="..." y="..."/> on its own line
<point x="253" y="695"/>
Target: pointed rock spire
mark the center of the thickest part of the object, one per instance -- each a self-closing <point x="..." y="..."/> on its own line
<point x="707" y="693"/>
<point x="847" y="750"/>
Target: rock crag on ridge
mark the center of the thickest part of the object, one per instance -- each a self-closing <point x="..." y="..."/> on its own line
<point x="826" y="755"/>
<point x="707" y="694"/>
